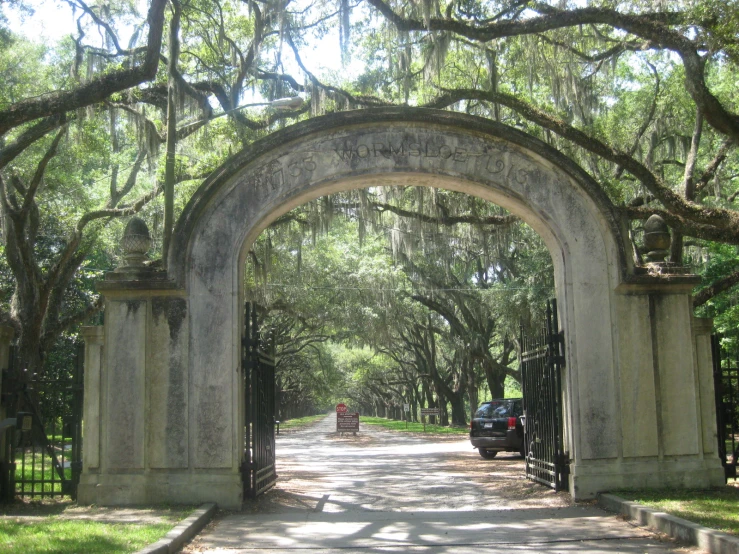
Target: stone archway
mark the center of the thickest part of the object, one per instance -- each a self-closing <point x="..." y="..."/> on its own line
<point x="163" y="405"/>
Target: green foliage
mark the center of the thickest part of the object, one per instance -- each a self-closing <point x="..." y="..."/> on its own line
<point x="24" y="71"/>
<point x="718" y="260"/>
<point x="300" y="422"/>
<point x="720" y="19"/>
<point x="412" y="427"/>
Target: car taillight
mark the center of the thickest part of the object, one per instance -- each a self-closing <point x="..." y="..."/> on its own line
<point x="511" y="423"/>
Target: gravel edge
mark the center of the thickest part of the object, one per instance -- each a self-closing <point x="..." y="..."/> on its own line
<point x="712" y="541"/>
<point x="183" y="531"/>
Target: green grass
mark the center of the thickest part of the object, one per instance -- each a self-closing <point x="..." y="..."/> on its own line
<point x="299" y="422"/>
<point x="412" y="427"/>
<point x="715" y="508"/>
<point x="49" y="531"/>
<point x="63" y="536"/>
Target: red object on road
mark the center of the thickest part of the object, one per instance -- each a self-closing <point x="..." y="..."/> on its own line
<point x="341" y="408"/>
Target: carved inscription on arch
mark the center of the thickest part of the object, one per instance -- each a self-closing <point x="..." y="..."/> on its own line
<point x="460" y="156"/>
<point x="350" y="154"/>
<point x="405" y="149"/>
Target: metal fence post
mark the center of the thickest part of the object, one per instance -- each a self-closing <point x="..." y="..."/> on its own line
<point x="7" y="488"/>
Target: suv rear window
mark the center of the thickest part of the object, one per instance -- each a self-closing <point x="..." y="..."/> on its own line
<point x="498" y="408"/>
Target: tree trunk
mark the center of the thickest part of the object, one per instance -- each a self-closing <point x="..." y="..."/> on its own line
<point x="430" y="401"/>
<point x="495" y="379"/>
<point x="458" y="411"/>
<point x="441" y="403"/>
<point x="169" y="164"/>
<point x="472" y="388"/>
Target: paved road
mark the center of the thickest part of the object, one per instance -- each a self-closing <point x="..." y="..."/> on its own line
<point x="381" y="492"/>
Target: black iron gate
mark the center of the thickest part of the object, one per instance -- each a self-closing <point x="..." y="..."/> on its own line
<point x="44" y="456"/>
<point x="542" y="358"/>
<point x="726" y="389"/>
<point x="258" y="362"/>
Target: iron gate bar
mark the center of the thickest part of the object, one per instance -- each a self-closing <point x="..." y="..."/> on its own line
<point x="726" y="391"/>
<point x="541" y="362"/>
<point x="7" y="467"/>
<point x="258" y="471"/>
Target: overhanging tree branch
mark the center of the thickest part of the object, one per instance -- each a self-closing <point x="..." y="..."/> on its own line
<point x="97" y="89"/>
<point x="654" y="27"/>
<point x="715" y="288"/>
<point x="676" y="204"/>
<point x="29" y="136"/>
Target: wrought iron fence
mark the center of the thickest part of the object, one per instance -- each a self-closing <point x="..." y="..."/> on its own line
<point x="45" y="458"/>
<point x="726" y="388"/>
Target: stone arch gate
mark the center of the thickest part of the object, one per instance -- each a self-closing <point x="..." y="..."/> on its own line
<point x="163" y="400"/>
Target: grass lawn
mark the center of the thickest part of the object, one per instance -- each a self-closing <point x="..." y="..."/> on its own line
<point x="715" y="508"/>
<point x="299" y="422"/>
<point x="413" y="427"/>
<point x="44" y="528"/>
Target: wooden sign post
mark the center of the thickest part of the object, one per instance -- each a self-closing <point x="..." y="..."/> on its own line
<point x="428" y="412"/>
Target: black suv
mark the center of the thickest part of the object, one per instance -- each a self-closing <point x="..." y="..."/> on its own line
<point x="498" y="427"/>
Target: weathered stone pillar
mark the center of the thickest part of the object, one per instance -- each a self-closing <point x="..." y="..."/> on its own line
<point x="139" y="449"/>
<point x="667" y="410"/>
<point x="136" y="395"/>
<point x="702" y="329"/>
<point x="94" y="352"/>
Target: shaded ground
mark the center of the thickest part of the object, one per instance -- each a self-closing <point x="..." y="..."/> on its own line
<point x="381" y="491"/>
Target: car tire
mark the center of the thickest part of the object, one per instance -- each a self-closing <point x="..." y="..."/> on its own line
<point x="487" y="454"/>
<point x="522" y="450"/>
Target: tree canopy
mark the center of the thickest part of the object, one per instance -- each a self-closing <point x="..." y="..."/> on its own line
<point x="130" y="111"/>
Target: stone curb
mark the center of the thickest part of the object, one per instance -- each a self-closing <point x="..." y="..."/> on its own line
<point x="183" y="532"/>
<point x="712" y="541"/>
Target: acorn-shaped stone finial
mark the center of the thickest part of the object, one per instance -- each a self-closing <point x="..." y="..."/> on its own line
<point x="657" y="239"/>
<point x="135" y="242"/>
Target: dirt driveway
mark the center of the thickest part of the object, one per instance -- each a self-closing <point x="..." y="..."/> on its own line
<point x="381" y="491"/>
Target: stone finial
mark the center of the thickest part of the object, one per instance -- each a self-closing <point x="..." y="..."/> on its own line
<point x="135" y="243"/>
<point x="657" y="239"/>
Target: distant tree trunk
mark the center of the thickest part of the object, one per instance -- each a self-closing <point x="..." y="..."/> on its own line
<point x="495" y="379"/>
<point x="458" y="410"/>
<point x="430" y="402"/>
<point x="472" y="390"/>
<point x="441" y="403"/>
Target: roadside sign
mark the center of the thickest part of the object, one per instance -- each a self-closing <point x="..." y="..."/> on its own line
<point x="341" y="408"/>
<point x="347" y="422"/>
<point x="428" y="412"/>
<point x="406" y="407"/>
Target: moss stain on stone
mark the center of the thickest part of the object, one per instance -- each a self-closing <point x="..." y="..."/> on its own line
<point x="174" y="309"/>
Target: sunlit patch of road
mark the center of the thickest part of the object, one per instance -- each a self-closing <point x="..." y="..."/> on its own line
<point x="381" y="491"/>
